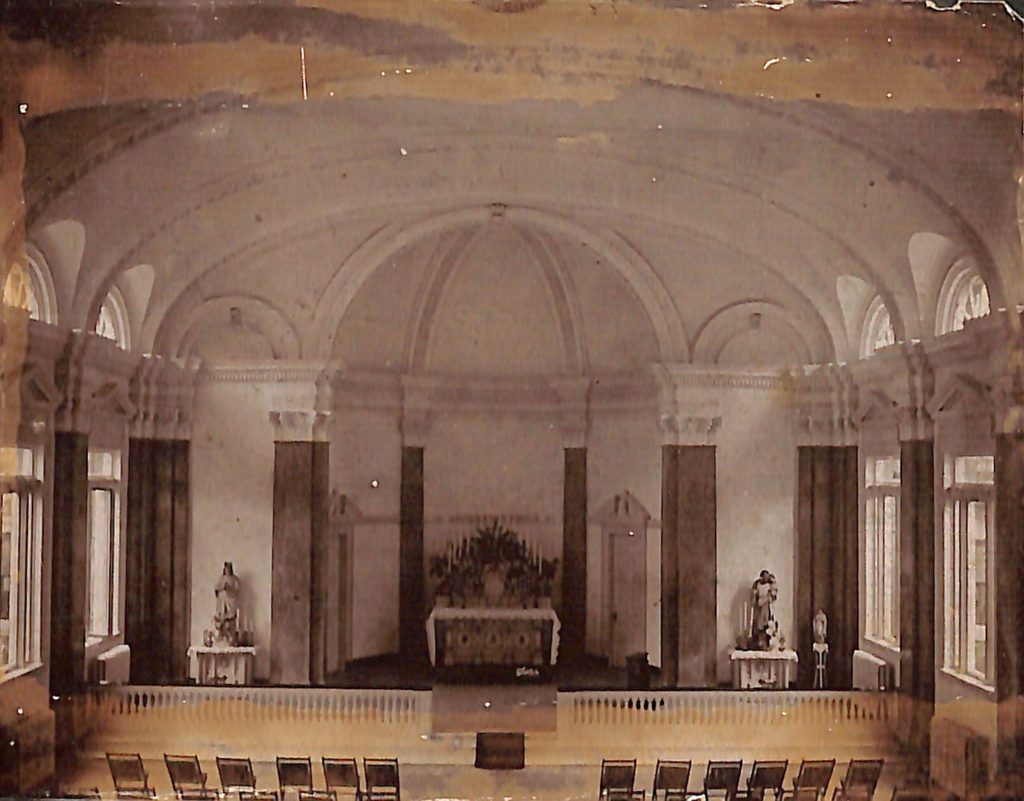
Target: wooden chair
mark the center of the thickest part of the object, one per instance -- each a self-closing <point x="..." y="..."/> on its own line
<point x="766" y="777"/>
<point x="815" y="775"/>
<point x="296" y="774"/>
<point x="237" y="776"/>
<point x="722" y="779"/>
<point x="188" y="779"/>
<point x="129" y="775"/>
<point x="912" y="794"/>
<point x="382" y="779"/>
<point x="671" y="778"/>
<point x="341" y="777"/>
<point x="861" y="780"/>
<point x="617" y="778"/>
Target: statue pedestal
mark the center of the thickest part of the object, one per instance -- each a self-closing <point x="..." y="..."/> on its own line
<point x="752" y="670"/>
<point x="221" y="664"/>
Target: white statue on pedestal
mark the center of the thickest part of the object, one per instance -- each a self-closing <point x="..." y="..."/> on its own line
<point x="225" y="621"/>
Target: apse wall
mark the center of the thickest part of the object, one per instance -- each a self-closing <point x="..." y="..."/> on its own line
<point x="232" y="505"/>
<point x="756" y="487"/>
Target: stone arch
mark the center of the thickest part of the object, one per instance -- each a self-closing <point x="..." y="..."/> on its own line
<point x="375" y="251"/>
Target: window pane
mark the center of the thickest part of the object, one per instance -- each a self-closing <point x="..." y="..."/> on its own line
<point x="104" y="465"/>
<point x="9" y="522"/>
<point x="977" y="609"/>
<point x="115" y="558"/>
<point x="870" y="567"/>
<point x="886" y="471"/>
<point x="889" y="569"/>
<point x="100" y="515"/>
<point x="974" y="470"/>
<point x="16" y="462"/>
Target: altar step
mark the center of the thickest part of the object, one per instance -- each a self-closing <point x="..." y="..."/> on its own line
<point x="460" y="709"/>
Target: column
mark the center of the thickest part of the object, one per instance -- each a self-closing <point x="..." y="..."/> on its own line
<point x="1009" y="578"/>
<point x="573" y="419"/>
<point x="301" y="510"/>
<point x="917" y="592"/>
<point x="412" y="634"/>
<point x="827" y="558"/>
<point x="158" y="565"/>
<point x="574" y="557"/>
<point x="689" y="552"/>
<point x="69" y="590"/>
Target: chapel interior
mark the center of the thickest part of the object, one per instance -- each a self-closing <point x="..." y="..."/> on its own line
<point x="513" y="384"/>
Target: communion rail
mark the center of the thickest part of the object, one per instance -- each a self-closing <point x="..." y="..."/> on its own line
<point x="262" y="722"/>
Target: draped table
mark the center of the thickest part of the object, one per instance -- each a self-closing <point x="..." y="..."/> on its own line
<point x="492" y="636"/>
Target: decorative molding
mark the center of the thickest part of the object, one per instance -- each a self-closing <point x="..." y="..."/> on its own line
<point x="824" y="406"/>
<point x="305" y="425"/>
<point x="275" y="372"/>
<point x="689" y="429"/>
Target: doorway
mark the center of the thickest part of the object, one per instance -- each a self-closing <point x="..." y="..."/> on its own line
<point x="627" y="597"/>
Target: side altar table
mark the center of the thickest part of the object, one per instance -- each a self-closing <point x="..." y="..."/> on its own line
<point x="496" y="636"/>
<point x="762" y="669"/>
<point x="221" y="664"/>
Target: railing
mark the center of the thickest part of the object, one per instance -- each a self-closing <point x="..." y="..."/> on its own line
<point x="259" y="704"/>
<point x="258" y="721"/>
<point x="724" y="707"/>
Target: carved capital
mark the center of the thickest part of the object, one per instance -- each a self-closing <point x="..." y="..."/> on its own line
<point x="573" y="410"/>
<point x="683" y="429"/>
<point x="300" y="425"/>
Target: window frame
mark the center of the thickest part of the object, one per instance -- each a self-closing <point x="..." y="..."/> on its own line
<point x="958" y="645"/>
<point x="112" y="483"/>
<point x="873" y="317"/>
<point x="27" y="609"/>
<point x="874" y="550"/>
<point x="954" y="287"/>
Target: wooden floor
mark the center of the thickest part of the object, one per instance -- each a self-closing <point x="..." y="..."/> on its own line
<point x="459" y="782"/>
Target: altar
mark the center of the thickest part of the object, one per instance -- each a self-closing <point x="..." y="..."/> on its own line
<point x="492" y="636"/>
<point x="762" y="669"/>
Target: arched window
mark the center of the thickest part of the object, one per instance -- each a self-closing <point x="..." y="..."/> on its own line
<point x="112" y="321"/>
<point x="964" y="297"/>
<point x="27" y="288"/>
<point x="878" y="330"/>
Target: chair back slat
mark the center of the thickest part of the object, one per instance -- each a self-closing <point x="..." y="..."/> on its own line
<point x="671" y="778"/>
<point x="863" y="775"/>
<point x="185" y="772"/>
<point x="723" y="775"/>
<point x="128" y="772"/>
<point x="617" y="775"/>
<point x="815" y="774"/>
<point x="341" y="774"/>
<point x="382" y="777"/>
<point x="236" y="774"/>
<point x="295" y="773"/>
<point x="768" y="775"/>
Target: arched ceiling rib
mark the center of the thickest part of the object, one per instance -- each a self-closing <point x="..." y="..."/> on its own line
<point x="234" y="204"/>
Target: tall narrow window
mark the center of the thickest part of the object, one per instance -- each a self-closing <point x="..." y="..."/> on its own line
<point x="968" y="529"/>
<point x="103" y="603"/>
<point x="112" y="321"/>
<point x="881" y="549"/>
<point x="20" y="558"/>
<point x="963" y="297"/>
<point x="878" y="332"/>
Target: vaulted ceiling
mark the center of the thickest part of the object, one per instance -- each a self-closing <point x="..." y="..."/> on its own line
<point x="682" y="216"/>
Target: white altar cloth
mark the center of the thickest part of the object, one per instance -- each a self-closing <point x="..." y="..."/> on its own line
<point x="489" y="613"/>
<point x="757" y="669"/>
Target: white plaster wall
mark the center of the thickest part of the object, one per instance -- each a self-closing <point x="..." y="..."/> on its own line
<point x="366" y="447"/>
<point x="491" y="465"/>
<point x="233" y="506"/>
<point x="756" y="486"/>
<point x="624" y="453"/>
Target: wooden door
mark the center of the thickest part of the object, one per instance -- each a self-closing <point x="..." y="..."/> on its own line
<point x="628" y="601"/>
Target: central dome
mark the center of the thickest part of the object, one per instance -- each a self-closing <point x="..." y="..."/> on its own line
<point x="496" y="298"/>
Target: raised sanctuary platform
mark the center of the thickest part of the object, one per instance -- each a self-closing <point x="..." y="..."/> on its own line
<point x="527" y="708"/>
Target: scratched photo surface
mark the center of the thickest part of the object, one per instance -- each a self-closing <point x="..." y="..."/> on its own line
<point x="513" y="400"/>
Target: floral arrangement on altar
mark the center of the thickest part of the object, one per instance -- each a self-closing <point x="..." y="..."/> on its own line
<point x="493" y="568"/>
